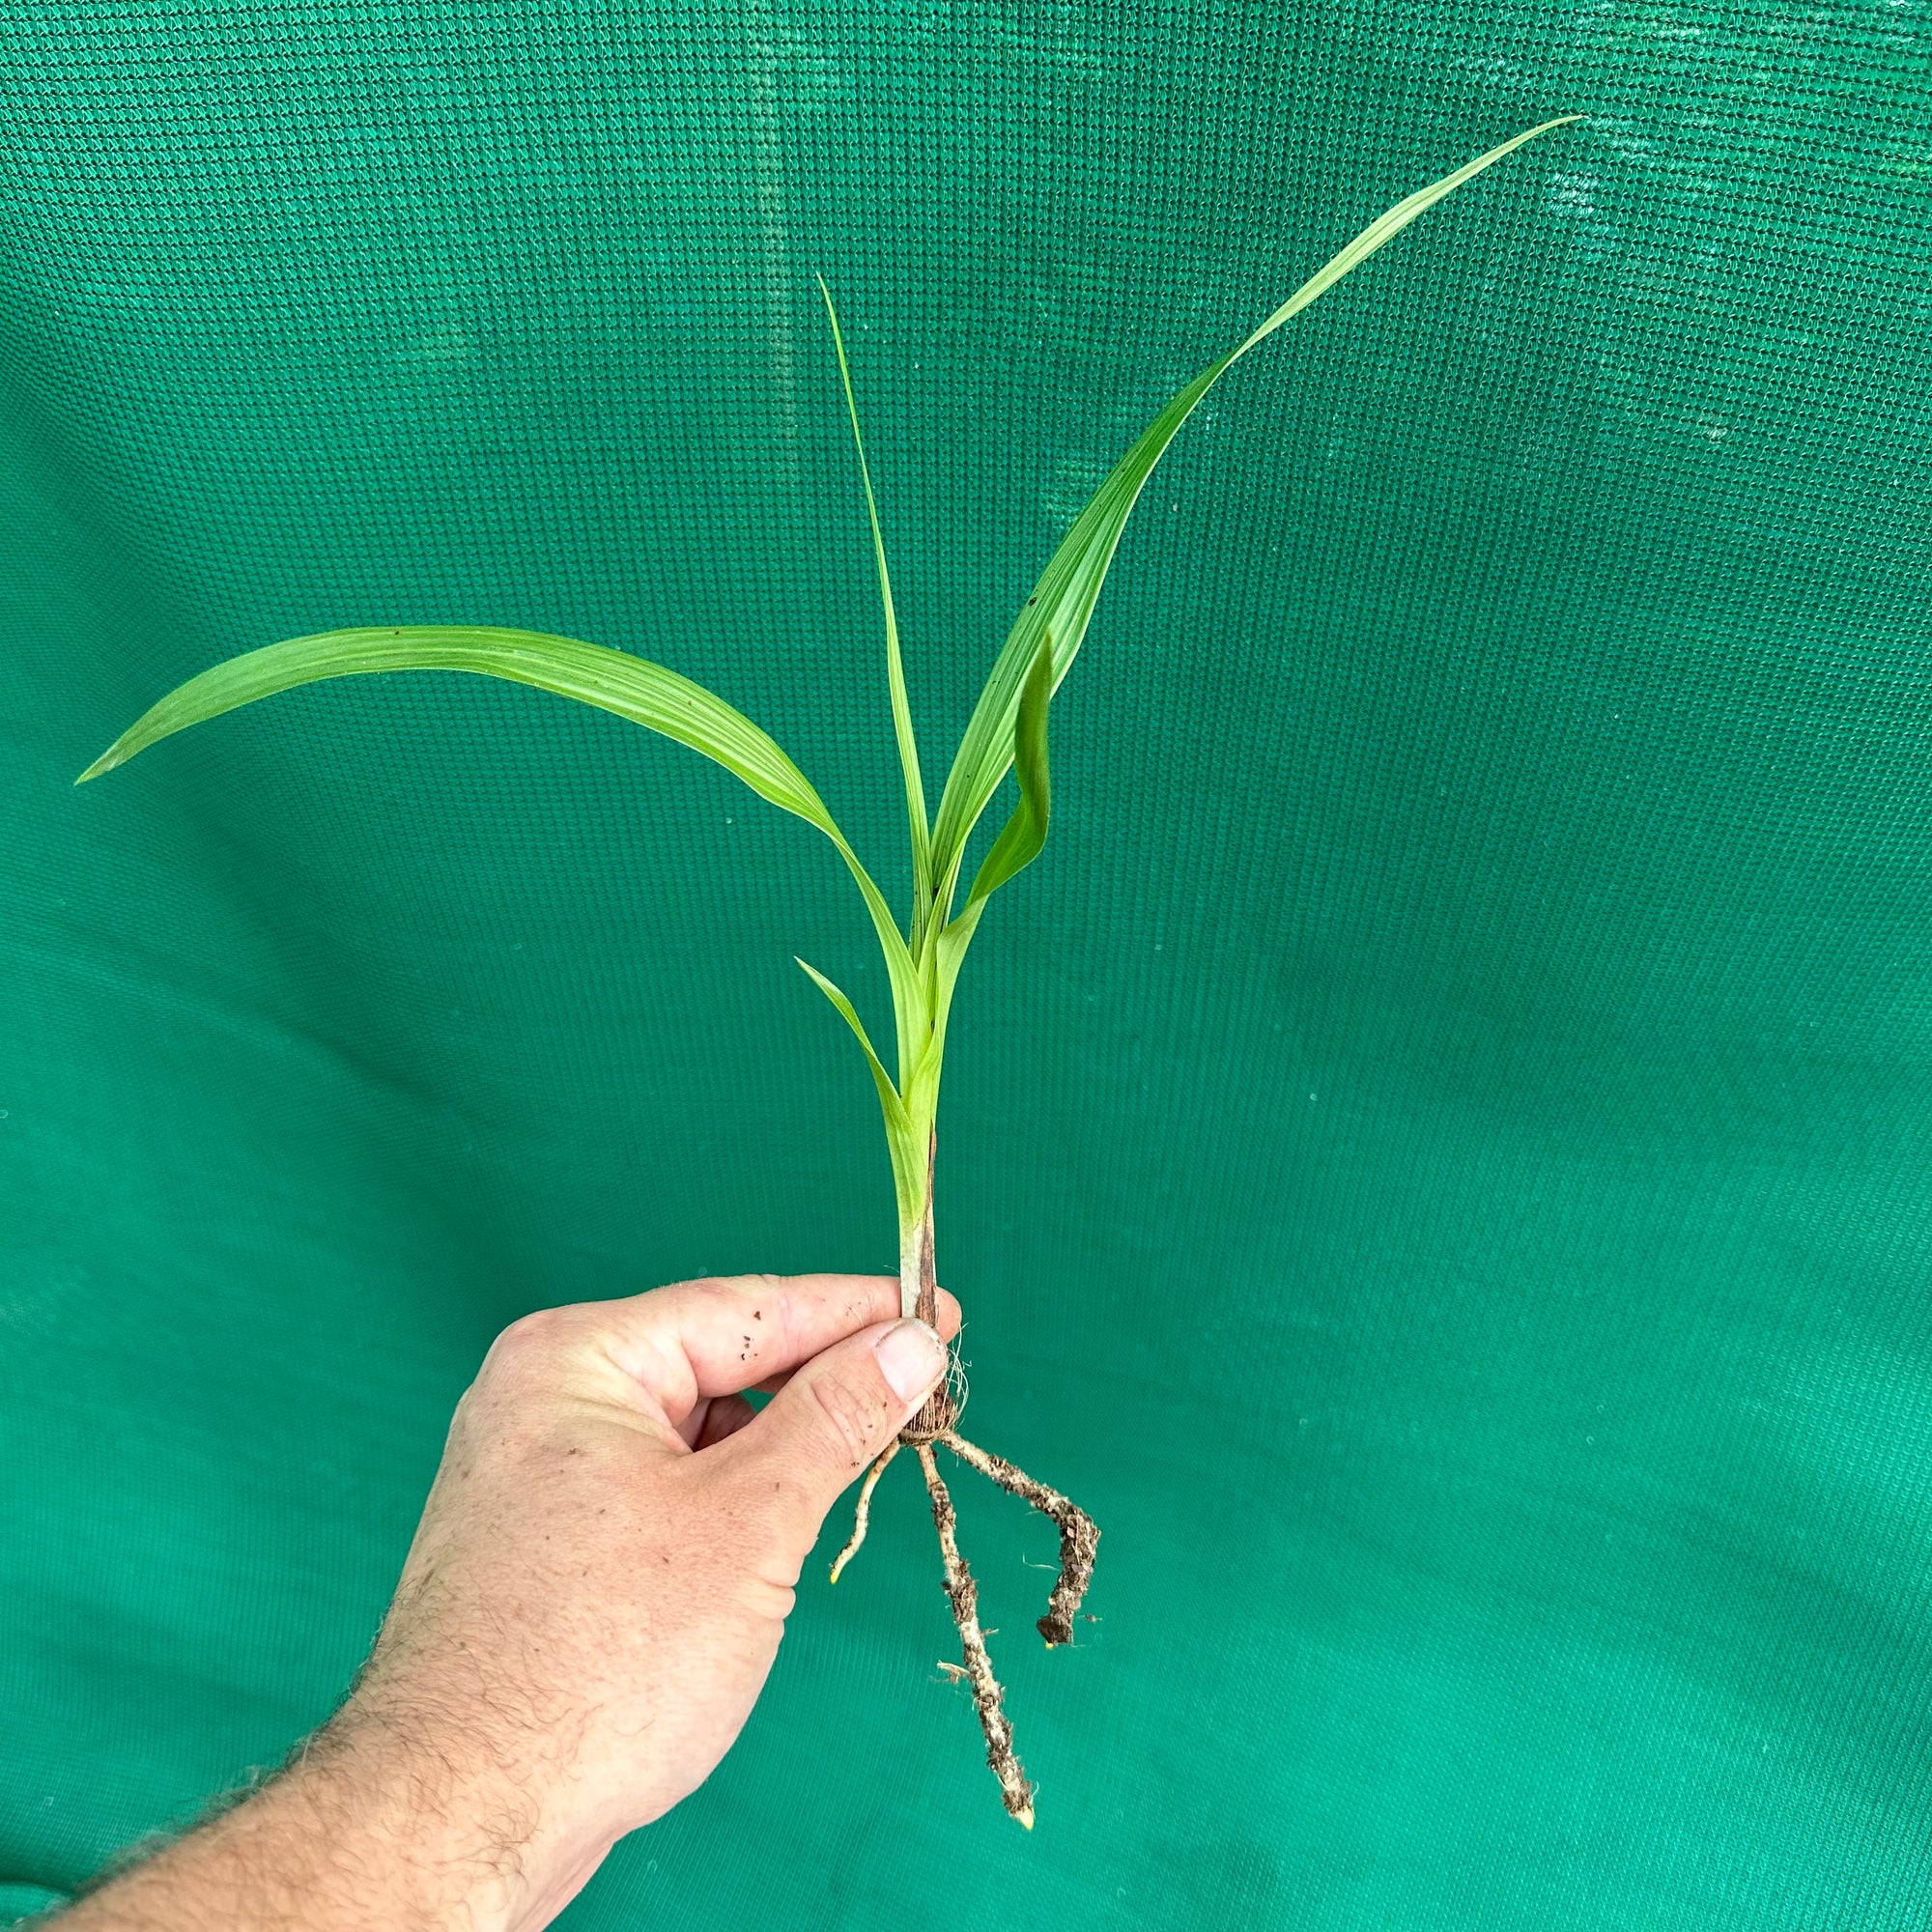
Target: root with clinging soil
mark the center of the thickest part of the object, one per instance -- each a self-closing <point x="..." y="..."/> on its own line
<point x="986" y="1692"/>
<point x="1079" y="1534"/>
<point x="1079" y="1540"/>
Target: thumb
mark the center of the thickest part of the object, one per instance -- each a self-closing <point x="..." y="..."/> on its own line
<point x="834" y="1415"/>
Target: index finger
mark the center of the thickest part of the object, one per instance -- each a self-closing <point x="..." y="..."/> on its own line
<point x="714" y="1337"/>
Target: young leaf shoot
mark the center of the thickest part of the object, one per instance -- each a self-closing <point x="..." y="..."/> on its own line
<point x="1008" y="730"/>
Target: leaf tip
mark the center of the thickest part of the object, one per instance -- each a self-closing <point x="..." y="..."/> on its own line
<point x="107" y="762"/>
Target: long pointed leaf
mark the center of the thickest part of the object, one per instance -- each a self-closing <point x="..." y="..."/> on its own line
<point x="1020" y="842"/>
<point x="631" y="687"/>
<point x="614" y="681"/>
<point x="908" y="1175"/>
<point x="915" y="790"/>
<point x="1024" y="835"/>
<point x="1064" y="596"/>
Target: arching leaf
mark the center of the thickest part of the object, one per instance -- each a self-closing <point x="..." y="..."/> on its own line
<point x="629" y="687"/>
<point x="1063" y="600"/>
<point x="1024" y="835"/>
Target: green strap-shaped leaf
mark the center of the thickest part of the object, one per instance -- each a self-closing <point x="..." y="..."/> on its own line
<point x="908" y="1157"/>
<point x="1024" y="835"/>
<point x="614" y="681"/>
<point x="1019" y="843"/>
<point x="915" y="790"/>
<point x="633" y="687"/>
<point x="1064" y="598"/>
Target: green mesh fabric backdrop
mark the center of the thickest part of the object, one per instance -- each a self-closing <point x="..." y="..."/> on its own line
<point x="1434" y="1157"/>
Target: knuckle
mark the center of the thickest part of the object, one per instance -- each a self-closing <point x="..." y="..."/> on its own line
<point x="700" y="1287"/>
<point x="528" y="1339"/>
<point x="536" y="1326"/>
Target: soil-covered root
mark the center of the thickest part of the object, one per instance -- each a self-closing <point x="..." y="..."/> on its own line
<point x="1079" y="1542"/>
<point x="964" y="1596"/>
<point x="1079" y="1533"/>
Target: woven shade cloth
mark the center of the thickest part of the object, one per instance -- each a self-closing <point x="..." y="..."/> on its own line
<point x="1434" y="1154"/>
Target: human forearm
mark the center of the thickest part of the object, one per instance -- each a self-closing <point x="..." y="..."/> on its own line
<point x="369" y="1832"/>
<point x="593" y="1597"/>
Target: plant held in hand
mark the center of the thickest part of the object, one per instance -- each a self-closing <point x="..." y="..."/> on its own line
<point x="1006" y="731"/>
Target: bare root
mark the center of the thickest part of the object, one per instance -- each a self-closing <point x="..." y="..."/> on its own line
<point x="862" y="1515"/>
<point x="1079" y="1533"/>
<point x="964" y="1597"/>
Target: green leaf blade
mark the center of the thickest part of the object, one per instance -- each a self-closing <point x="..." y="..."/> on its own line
<point x="908" y="1159"/>
<point x="629" y="687"/>
<point x="1023" y="836"/>
<point x="1069" y="586"/>
<point x="1021" y="840"/>
<point x="915" y="789"/>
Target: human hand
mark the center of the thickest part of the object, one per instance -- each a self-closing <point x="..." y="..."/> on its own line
<point x="607" y="1559"/>
<point x="590" y="1607"/>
